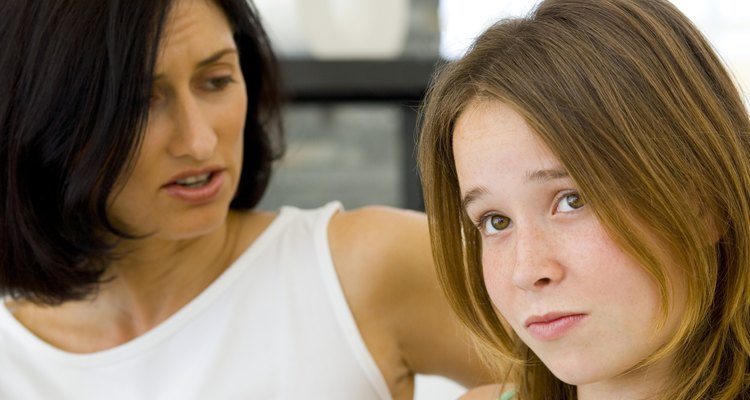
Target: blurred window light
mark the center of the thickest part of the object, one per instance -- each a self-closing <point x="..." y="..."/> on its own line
<point x="461" y="21"/>
<point x="726" y="24"/>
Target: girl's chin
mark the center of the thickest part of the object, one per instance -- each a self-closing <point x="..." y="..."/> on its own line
<point x="576" y="372"/>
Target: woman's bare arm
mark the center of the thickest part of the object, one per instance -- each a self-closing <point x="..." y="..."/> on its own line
<point x="384" y="262"/>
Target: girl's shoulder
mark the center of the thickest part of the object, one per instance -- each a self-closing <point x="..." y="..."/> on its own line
<point x="490" y="392"/>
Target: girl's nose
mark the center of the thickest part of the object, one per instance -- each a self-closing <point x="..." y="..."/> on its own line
<point x="536" y="265"/>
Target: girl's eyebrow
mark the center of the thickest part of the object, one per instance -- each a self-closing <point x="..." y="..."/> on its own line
<point x="539" y="176"/>
<point x="472" y="195"/>
<point x="546" y="175"/>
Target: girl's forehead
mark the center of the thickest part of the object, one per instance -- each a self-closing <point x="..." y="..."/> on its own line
<point x="486" y="116"/>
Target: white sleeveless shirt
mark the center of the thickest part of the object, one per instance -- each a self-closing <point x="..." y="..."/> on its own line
<point x="275" y="325"/>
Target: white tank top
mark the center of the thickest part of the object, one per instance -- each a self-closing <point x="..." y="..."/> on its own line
<point x="275" y="325"/>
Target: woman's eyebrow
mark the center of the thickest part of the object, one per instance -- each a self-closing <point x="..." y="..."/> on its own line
<point x="215" y="57"/>
<point x="207" y="61"/>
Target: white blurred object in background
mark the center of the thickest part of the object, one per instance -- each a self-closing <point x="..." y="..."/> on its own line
<point x="461" y="21"/>
<point x="283" y="24"/>
<point x="337" y="29"/>
<point x="355" y="28"/>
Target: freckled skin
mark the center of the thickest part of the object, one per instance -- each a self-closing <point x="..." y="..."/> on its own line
<point x="554" y="256"/>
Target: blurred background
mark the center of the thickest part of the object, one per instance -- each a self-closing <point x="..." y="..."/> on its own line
<point x="355" y="73"/>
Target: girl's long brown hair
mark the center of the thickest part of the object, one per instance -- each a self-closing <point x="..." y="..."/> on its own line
<point x="640" y="110"/>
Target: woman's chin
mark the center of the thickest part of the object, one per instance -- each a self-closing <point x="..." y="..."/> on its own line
<point x="182" y="227"/>
<point x="194" y="228"/>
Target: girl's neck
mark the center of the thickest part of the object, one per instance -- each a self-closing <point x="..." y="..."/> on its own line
<point x="643" y="384"/>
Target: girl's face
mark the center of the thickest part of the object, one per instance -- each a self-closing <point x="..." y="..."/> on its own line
<point x="188" y="167"/>
<point x="587" y="309"/>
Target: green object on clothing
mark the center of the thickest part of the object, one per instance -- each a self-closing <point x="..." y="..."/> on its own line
<point x="509" y="395"/>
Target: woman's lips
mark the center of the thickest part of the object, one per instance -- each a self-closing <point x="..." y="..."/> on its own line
<point x="197" y="194"/>
<point x="185" y="174"/>
<point x="553" y="326"/>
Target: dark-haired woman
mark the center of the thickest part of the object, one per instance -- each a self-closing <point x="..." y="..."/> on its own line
<point x="135" y="139"/>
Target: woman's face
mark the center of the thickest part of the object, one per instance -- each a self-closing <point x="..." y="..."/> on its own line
<point x="188" y="167"/>
<point x="587" y="309"/>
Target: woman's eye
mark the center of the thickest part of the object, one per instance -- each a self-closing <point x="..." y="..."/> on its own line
<point x="494" y="223"/>
<point x="155" y="98"/>
<point x="570" y="202"/>
<point x="219" y="83"/>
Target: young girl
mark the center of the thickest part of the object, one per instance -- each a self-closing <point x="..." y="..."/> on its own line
<point x="587" y="181"/>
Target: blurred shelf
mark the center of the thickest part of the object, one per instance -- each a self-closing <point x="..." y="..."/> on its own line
<point x="399" y="80"/>
<point x="402" y="82"/>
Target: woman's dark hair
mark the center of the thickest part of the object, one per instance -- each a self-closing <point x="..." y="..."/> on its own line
<point x="76" y="81"/>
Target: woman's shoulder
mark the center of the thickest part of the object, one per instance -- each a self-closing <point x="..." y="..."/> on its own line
<point x="384" y="243"/>
<point x="381" y="228"/>
<point x="383" y="258"/>
<point x="379" y="212"/>
<point x="385" y="233"/>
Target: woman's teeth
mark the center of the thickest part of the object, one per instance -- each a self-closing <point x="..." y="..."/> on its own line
<point x="195" y="181"/>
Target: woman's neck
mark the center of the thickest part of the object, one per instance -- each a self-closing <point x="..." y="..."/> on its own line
<point x="156" y="277"/>
<point x="151" y="281"/>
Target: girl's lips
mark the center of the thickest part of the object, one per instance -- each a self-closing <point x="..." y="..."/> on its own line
<point x="553" y="326"/>
<point x="197" y="195"/>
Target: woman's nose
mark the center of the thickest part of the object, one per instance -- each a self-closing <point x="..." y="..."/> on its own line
<point x="536" y="264"/>
<point x="193" y="134"/>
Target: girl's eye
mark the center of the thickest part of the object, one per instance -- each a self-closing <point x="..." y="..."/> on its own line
<point x="570" y="202"/>
<point x="494" y="223"/>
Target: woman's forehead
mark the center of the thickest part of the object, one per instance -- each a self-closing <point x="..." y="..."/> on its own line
<point x="190" y="19"/>
<point x="194" y="30"/>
